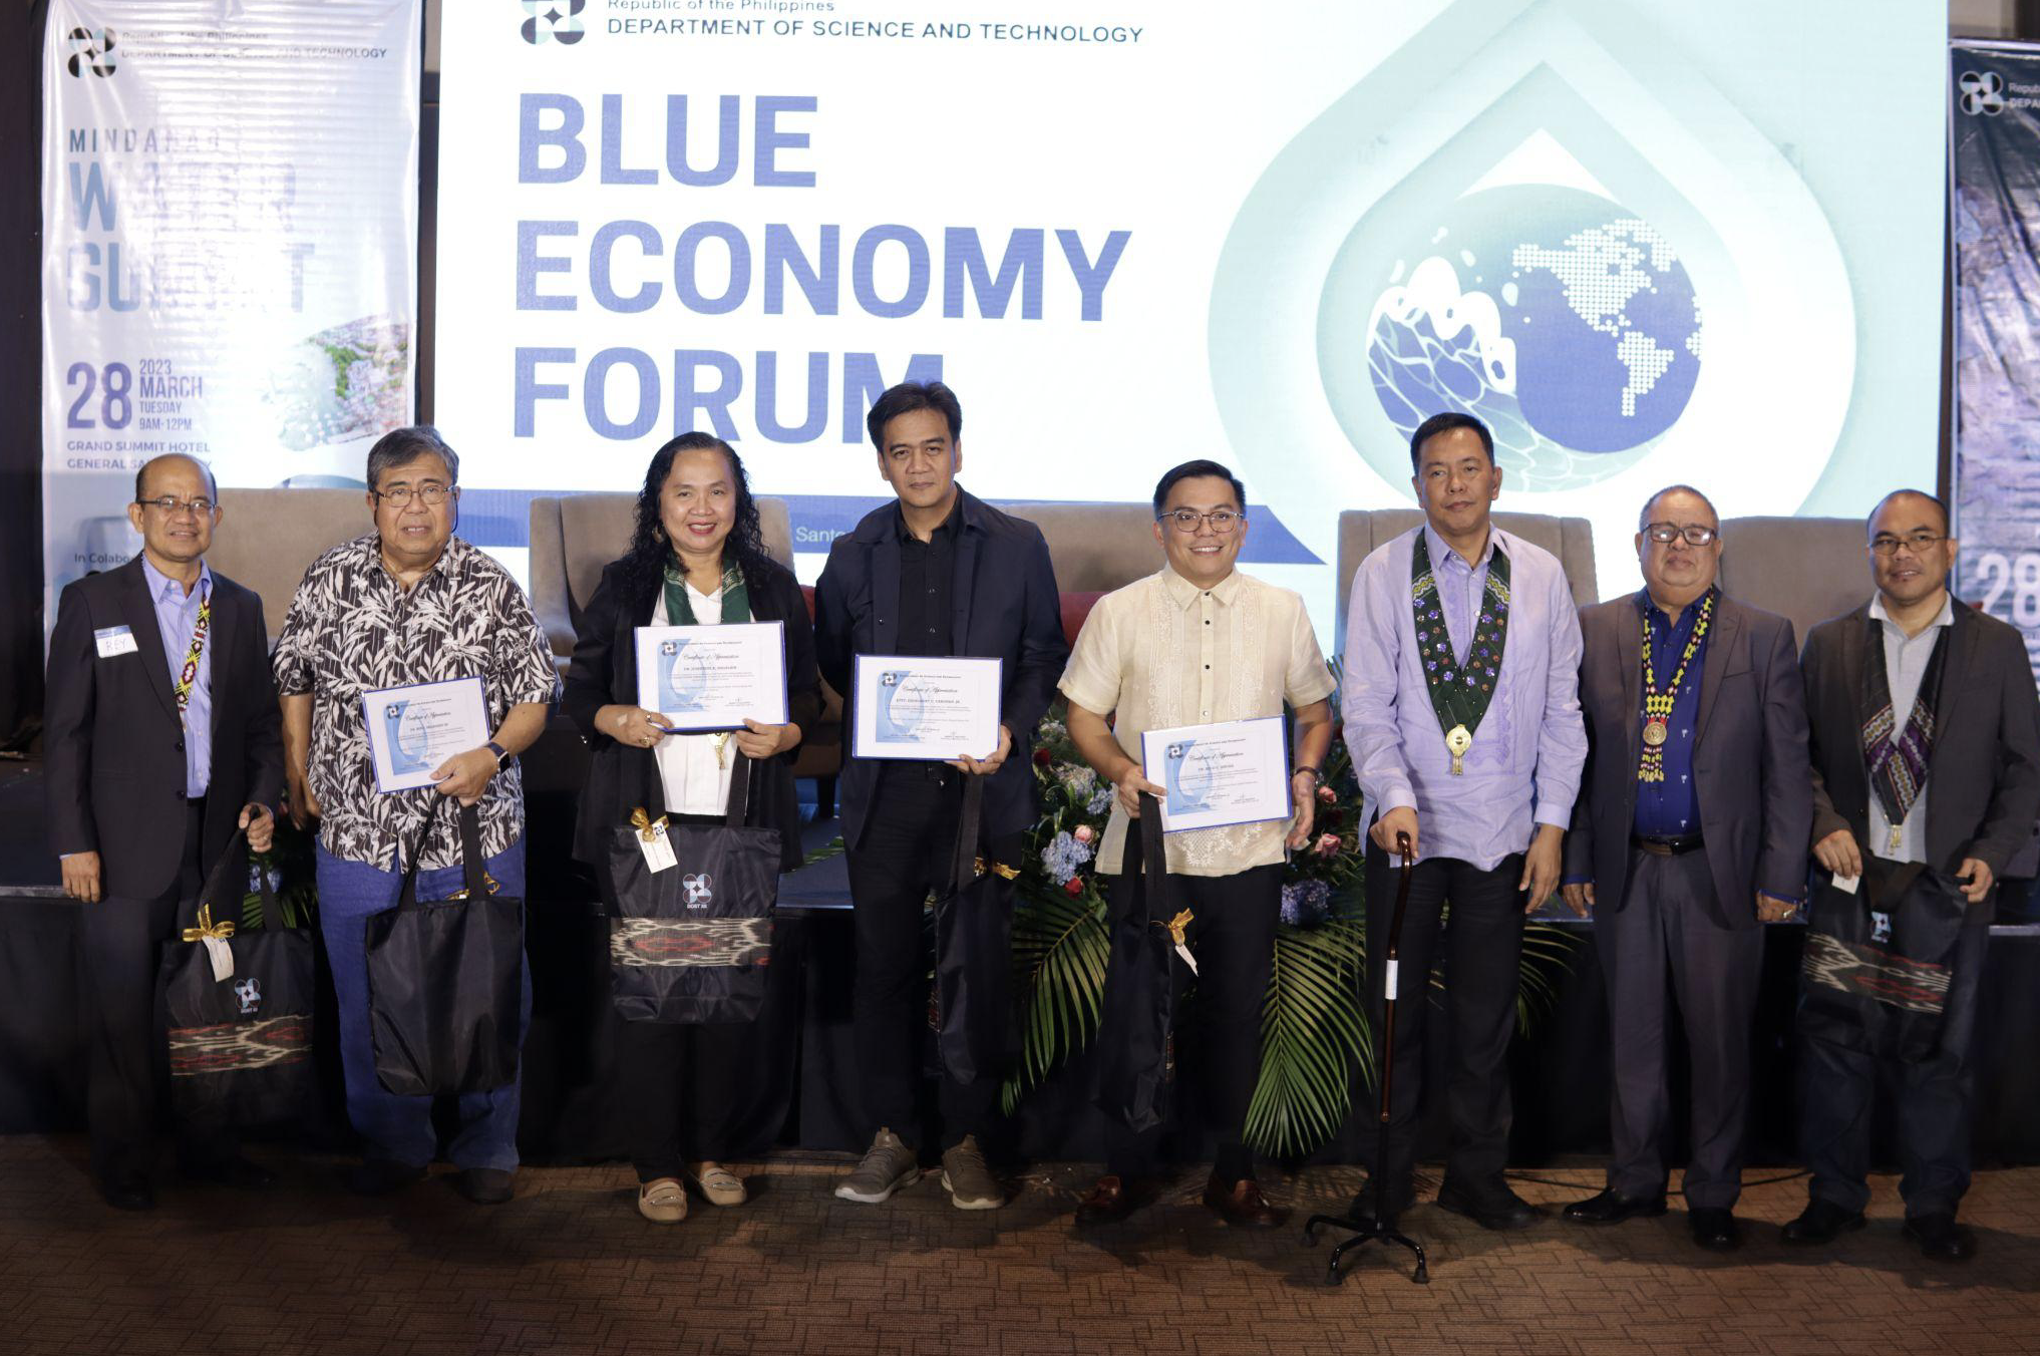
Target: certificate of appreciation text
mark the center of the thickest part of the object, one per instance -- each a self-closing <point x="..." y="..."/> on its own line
<point x="413" y="730"/>
<point x="1232" y="772"/>
<point x="908" y="706"/>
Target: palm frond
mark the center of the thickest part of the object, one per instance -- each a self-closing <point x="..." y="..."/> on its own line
<point x="1314" y="1034"/>
<point x="1060" y="947"/>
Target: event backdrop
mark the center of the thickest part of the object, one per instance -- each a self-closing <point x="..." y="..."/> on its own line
<point x="1643" y="241"/>
<point x="229" y="249"/>
<point x="1995" y="203"/>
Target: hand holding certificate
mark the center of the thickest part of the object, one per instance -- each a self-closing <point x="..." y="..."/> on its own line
<point x="701" y="678"/>
<point x="414" y="730"/>
<point x="1233" y="772"/>
<point x="935" y="709"/>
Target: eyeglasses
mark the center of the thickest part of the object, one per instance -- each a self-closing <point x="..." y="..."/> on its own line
<point x="168" y="506"/>
<point x="1919" y="543"/>
<point x="1186" y="520"/>
<point x="432" y="494"/>
<point x="1694" y="533"/>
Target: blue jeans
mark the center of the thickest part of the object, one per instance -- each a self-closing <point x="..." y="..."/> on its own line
<point x="398" y="1127"/>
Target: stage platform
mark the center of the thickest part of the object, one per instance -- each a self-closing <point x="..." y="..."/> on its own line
<point x="568" y="1268"/>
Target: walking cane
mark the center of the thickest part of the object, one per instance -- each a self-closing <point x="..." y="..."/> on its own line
<point x="1367" y="1230"/>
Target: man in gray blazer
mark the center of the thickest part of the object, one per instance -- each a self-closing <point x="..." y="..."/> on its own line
<point x="1690" y="831"/>
<point x="1926" y="758"/>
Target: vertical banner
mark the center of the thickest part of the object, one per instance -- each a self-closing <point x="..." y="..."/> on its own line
<point x="1995" y="202"/>
<point x="230" y="226"/>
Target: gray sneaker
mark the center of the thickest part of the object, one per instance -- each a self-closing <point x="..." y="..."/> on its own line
<point x="887" y="1166"/>
<point x="968" y="1181"/>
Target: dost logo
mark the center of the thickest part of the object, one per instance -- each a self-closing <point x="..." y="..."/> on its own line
<point x="1982" y="92"/>
<point x="91" y="50"/>
<point x="553" y="21"/>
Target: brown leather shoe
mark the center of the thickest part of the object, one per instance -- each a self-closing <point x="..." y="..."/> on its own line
<point x="1110" y="1201"/>
<point x="1242" y="1204"/>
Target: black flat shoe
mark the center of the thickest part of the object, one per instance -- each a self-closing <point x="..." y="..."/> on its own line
<point x="1502" y="1211"/>
<point x="381" y="1176"/>
<point x="486" y="1186"/>
<point x="1821" y="1223"/>
<point x="1715" y="1229"/>
<point x="1612" y="1208"/>
<point x="129" y="1193"/>
<point x="241" y="1174"/>
<point x="1939" y="1237"/>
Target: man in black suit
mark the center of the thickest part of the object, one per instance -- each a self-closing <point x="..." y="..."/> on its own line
<point x="938" y="573"/>
<point x="1687" y="836"/>
<point x="1926" y="780"/>
<point x="161" y="733"/>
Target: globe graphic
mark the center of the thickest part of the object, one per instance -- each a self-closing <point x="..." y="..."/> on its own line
<point x="1563" y="321"/>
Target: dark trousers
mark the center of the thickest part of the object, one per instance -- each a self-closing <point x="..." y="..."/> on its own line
<point x="679" y="1080"/>
<point x="1661" y="926"/>
<point x="127" y="1066"/>
<point x="1483" y="948"/>
<point x="905" y="853"/>
<point x="1232" y="934"/>
<point x="1932" y="1097"/>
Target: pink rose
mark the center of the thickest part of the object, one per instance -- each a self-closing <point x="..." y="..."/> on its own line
<point x="1327" y="795"/>
<point x="1327" y="844"/>
<point x="1083" y="833"/>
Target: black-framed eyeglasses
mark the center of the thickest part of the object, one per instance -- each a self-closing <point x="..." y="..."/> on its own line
<point x="1696" y="534"/>
<point x="168" y="505"/>
<point x="431" y="494"/>
<point x="1919" y="543"/>
<point x="1186" y="520"/>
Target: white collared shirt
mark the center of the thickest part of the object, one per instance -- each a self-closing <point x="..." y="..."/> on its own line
<point x="693" y="782"/>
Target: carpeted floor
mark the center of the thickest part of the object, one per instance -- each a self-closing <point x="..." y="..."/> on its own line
<point x="569" y="1268"/>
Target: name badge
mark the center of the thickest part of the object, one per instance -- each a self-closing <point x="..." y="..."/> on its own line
<point x="113" y="640"/>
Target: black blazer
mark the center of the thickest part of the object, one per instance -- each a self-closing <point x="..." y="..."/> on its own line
<point x="1749" y="757"/>
<point x="1983" y="780"/>
<point x="1004" y="606"/>
<point x="604" y="671"/>
<point x="113" y="761"/>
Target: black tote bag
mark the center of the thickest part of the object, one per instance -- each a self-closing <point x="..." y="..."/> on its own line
<point x="691" y="943"/>
<point x="975" y="1035"/>
<point x="1144" y="983"/>
<point x="1878" y="963"/>
<point x="240" y="1043"/>
<point x="445" y="981"/>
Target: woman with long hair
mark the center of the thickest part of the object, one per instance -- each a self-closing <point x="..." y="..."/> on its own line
<point x="696" y="558"/>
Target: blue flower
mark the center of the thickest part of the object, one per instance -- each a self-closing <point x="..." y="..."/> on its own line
<point x="1063" y="856"/>
<point x="1100" y="802"/>
<point x="1306" y="903"/>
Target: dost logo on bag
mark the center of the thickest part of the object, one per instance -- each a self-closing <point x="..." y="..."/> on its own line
<point x="249" y="991"/>
<point x="700" y="890"/>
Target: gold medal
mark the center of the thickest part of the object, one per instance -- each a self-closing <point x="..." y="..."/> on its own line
<point x="1897" y="832"/>
<point x="1655" y="732"/>
<point x="1457" y="741"/>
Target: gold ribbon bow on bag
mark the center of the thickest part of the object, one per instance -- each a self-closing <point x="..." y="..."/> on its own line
<point x="1179" y="933"/>
<point x="214" y="936"/>
<point x="647" y="827"/>
<point x="999" y="869"/>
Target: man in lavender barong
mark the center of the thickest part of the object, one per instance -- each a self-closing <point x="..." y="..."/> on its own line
<point x="1462" y="713"/>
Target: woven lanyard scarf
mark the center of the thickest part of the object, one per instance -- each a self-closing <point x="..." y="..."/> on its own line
<point x="187" y="676"/>
<point x="1459" y="694"/>
<point x="1898" y="766"/>
<point x="736" y="610"/>
<point x="1657" y="705"/>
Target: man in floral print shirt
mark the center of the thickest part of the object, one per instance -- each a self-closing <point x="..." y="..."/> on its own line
<point x="408" y="603"/>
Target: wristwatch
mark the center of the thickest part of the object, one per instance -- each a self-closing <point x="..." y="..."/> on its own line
<point x="502" y="754"/>
<point x="1317" y="777"/>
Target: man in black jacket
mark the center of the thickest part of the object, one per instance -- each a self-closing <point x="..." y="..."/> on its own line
<point x="938" y="573"/>
<point x="1926" y="780"/>
<point x="162" y="737"/>
<point x="1688" y="835"/>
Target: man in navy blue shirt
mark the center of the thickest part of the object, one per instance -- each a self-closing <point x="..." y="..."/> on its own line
<point x="1689" y="832"/>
